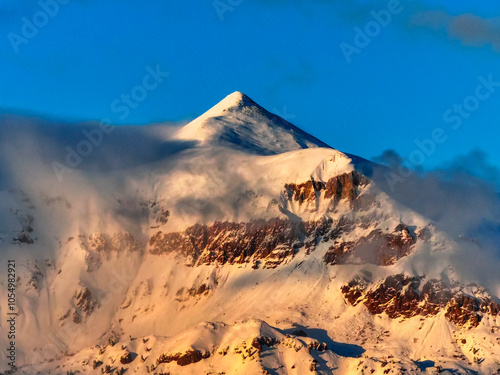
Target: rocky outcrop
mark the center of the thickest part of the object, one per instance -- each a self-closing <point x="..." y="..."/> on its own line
<point x="464" y="309"/>
<point x="275" y="241"/>
<point x="104" y="243"/>
<point x="269" y="243"/>
<point x="319" y="230"/>
<point x="100" y="246"/>
<point x="345" y="186"/>
<point x="377" y="248"/>
<point x="305" y="192"/>
<point x="184" y="294"/>
<point x="23" y="238"/>
<point x="183" y="359"/>
<point x="34" y="277"/>
<point x="93" y="260"/>
<point x="76" y="317"/>
<point x="228" y="242"/>
<point x="158" y="212"/>
<point x="98" y="242"/>
<point x="265" y="341"/>
<point x="25" y="234"/>
<point x="183" y="243"/>
<point x="126" y="358"/>
<point x="163" y="217"/>
<point x="84" y="301"/>
<point x="405" y="296"/>
<point x="125" y="242"/>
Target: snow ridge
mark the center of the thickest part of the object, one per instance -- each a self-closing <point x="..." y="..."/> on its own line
<point x="238" y="122"/>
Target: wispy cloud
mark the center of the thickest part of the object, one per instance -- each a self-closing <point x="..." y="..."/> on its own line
<point x="460" y="195"/>
<point x="461" y="198"/>
<point x="470" y="29"/>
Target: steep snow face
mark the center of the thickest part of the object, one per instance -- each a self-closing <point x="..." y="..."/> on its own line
<point x="247" y="218"/>
<point x="219" y="183"/>
<point x="237" y="121"/>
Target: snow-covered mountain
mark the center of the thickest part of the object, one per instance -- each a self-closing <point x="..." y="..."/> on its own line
<point x="235" y="244"/>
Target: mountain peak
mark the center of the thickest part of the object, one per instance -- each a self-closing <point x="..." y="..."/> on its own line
<point x="239" y="122"/>
<point x="235" y="100"/>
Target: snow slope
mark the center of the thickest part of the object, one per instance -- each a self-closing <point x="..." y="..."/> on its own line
<point x="238" y="122"/>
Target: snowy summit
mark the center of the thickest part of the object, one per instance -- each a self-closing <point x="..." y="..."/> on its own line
<point x="240" y="122"/>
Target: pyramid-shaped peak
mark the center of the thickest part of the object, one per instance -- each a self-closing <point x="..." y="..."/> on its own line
<point x="235" y="100"/>
<point x="239" y="122"/>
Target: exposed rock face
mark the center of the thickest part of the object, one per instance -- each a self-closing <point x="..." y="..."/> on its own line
<point x="226" y="242"/>
<point x="305" y="192"/>
<point x="269" y="243"/>
<point x="103" y="243"/>
<point x="265" y="341"/>
<point x="34" y="278"/>
<point x="163" y="216"/>
<point x="400" y="296"/>
<point x="315" y="231"/>
<point x="125" y="242"/>
<point x="345" y="186"/>
<point x="24" y="236"/>
<point x="186" y="243"/>
<point x="100" y="246"/>
<point x="158" y="212"/>
<point x="93" y="261"/>
<point x="84" y="301"/>
<point x="464" y="309"/>
<point x="378" y="248"/>
<point x="184" y="294"/>
<point x="273" y="242"/>
<point x="76" y="317"/>
<point x="126" y="358"/>
<point x="98" y="242"/>
<point x="183" y="359"/>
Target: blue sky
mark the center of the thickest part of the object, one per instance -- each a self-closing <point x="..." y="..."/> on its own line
<point x="399" y="89"/>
